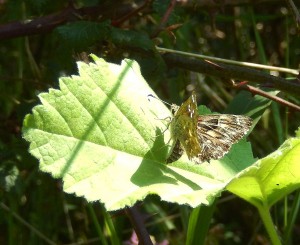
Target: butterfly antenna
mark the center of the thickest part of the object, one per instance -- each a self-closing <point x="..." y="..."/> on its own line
<point x="151" y="95"/>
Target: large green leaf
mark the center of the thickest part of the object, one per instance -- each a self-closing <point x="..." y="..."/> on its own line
<point x="100" y="134"/>
<point x="272" y="177"/>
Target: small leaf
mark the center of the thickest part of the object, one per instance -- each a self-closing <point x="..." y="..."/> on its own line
<point x="81" y="34"/>
<point x="131" y="39"/>
<point x="272" y="177"/>
<point x="8" y="176"/>
<point x="254" y="106"/>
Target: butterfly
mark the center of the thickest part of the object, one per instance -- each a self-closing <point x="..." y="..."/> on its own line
<point x="204" y="137"/>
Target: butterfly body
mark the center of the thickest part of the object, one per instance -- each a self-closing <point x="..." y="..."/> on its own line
<point x="204" y="137"/>
<point x="183" y="126"/>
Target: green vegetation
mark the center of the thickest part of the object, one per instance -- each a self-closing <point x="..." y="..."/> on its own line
<point x="83" y="148"/>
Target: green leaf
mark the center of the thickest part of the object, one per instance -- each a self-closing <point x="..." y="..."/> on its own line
<point x="253" y="106"/>
<point x="272" y="177"/>
<point x="81" y="34"/>
<point x="131" y="39"/>
<point x="8" y="176"/>
<point x="199" y="222"/>
<point x="100" y="134"/>
<point x="237" y="159"/>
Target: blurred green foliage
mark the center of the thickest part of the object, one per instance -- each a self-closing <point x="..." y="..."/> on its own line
<point x="33" y="208"/>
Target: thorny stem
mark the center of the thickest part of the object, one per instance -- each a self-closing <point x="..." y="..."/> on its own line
<point x="226" y="71"/>
<point x="253" y="90"/>
<point x="164" y="18"/>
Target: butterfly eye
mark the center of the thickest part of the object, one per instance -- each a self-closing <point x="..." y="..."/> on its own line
<point x="174" y="108"/>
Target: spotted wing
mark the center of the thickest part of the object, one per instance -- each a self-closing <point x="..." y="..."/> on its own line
<point x="217" y="133"/>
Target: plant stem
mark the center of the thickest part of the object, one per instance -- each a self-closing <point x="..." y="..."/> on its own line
<point x="97" y="225"/>
<point x="269" y="225"/>
<point x="138" y="225"/>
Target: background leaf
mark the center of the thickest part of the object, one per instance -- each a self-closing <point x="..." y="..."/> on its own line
<point x="272" y="177"/>
<point x="131" y="38"/>
<point x="81" y="34"/>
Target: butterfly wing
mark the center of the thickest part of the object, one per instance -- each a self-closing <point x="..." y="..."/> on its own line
<point x="216" y="134"/>
<point x="204" y="137"/>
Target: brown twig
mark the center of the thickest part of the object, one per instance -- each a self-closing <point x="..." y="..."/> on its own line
<point x="233" y="72"/>
<point x="37" y="26"/>
<point x="45" y="24"/>
<point x="119" y="21"/>
<point x="138" y="225"/>
<point x="257" y="91"/>
<point x="164" y="18"/>
<point x="224" y="3"/>
<point x="295" y="13"/>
